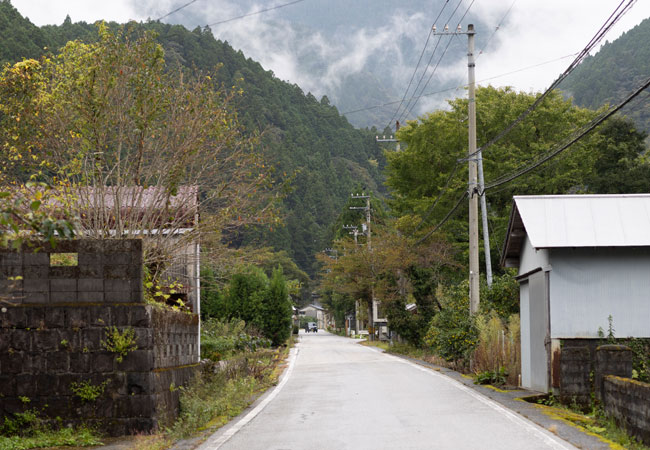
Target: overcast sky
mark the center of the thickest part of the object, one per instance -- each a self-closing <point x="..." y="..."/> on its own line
<point x="536" y="31"/>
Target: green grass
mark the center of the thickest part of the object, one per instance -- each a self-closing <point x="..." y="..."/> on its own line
<point x="212" y="400"/>
<point x="78" y="437"/>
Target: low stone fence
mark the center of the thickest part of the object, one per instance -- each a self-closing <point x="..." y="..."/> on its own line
<point x="55" y="325"/>
<point x="628" y="401"/>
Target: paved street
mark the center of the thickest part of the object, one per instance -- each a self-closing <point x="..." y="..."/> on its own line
<point x="338" y="394"/>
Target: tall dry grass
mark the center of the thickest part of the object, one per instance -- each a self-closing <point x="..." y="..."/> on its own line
<point x="498" y="346"/>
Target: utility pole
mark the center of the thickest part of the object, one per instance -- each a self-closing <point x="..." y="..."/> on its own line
<point x="390" y="139"/>
<point x="367" y="210"/>
<point x="473" y="186"/>
<point x="486" y="230"/>
<point x="354" y="232"/>
<point x="369" y="244"/>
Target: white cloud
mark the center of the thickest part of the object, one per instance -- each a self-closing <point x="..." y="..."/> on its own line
<point x="534" y="32"/>
<point x="53" y="12"/>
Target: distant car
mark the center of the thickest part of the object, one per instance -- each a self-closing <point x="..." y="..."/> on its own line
<point x="312" y="326"/>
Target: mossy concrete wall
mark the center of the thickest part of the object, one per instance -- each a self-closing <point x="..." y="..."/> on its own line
<point x="53" y="323"/>
<point x="629" y="402"/>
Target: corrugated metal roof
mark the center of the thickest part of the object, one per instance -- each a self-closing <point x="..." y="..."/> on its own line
<point x="585" y="220"/>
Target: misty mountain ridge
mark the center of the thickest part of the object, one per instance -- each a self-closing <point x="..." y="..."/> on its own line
<point x="359" y="54"/>
<point x="617" y="69"/>
<point x="302" y="135"/>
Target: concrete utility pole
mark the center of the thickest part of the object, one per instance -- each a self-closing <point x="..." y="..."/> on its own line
<point x="486" y="230"/>
<point x="390" y="139"/>
<point x="473" y="186"/>
<point x="369" y="244"/>
<point x="367" y="209"/>
<point x="354" y="232"/>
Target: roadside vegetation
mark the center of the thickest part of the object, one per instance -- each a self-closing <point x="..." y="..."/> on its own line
<point x="239" y="365"/>
<point x="594" y="422"/>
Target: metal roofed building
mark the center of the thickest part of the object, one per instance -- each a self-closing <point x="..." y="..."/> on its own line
<point x="580" y="259"/>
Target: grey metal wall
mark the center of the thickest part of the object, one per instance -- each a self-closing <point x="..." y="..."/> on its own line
<point x="530" y="258"/>
<point x="589" y="284"/>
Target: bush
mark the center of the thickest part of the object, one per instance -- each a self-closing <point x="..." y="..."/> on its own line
<point x="502" y="297"/>
<point x="452" y="333"/>
<point x="250" y="296"/>
<point x="498" y="350"/>
<point x="222" y="339"/>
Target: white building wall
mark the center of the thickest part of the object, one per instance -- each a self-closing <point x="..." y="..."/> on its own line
<point x="530" y="258"/>
<point x="524" y="313"/>
<point x="589" y="284"/>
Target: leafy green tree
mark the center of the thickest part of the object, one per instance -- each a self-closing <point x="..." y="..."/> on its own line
<point x="452" y="333"/>
<point x="277" y="310"/>
<point x="246" y="293"/>
<point x="306" y="140"/>
<point x="429" y="165"/>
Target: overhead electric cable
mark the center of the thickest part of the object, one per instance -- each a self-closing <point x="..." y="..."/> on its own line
<point x="417" y="66"/>
<point x="254" y="13"/>
<point x="176" y="10"/>
<point x="383" y="105"/>
<point x="424" y="72"/>
<point x="431" y="208"/>
<point x="613" y="19"/>
<point x="577" y="136"/>
<point x="496" y="29"/>
<point x="438" y="63"/>
<point x="449" y="215"/>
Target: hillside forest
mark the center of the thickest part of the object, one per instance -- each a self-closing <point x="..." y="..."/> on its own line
<point x="298" y="161"/>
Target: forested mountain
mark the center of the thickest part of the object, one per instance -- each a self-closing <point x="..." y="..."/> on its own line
<point x="360" y="53"/>
<point x="616" y="70"/>
<point x="305" y="137"/>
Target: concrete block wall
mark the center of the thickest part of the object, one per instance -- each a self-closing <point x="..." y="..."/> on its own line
<point x="108" y="270"/>
<point x="575" y="369"/>
<point x="629" y="402"/>
<point x="52" y="340"/>
<point x="611" y="360"/>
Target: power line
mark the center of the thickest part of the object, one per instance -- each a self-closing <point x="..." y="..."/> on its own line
<point x="177" y="9"/>
<point x="439" y="60"/>
<point x="417" y="66"/>
<point x="424" y="72"/>
<point x="496" y="29"/>
<point x="609" y="23"/>
<point x="524" y="170"/>
<point x="442" y="91"/>
<point x="254" y="13"/>
<point x="449" y="215"/>
<point x="430" y="210"/>
<point x="577" y="136"/>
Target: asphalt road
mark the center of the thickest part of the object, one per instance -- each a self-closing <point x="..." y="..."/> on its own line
<point x="337" y="394"/>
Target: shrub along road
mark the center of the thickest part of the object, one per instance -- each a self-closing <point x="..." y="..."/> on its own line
<point x="340" y="395"/>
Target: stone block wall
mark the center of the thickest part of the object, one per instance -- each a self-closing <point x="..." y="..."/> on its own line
<point x="629" y="402"/>
<point x="52" y="341"/>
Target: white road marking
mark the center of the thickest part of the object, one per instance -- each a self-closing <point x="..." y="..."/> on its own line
<point x="217" y="440"/>
<point x="549" y="439"/>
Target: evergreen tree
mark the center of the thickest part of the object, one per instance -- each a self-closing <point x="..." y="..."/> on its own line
<point x="245" y="297"/>
<point x="277" y="309"/>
